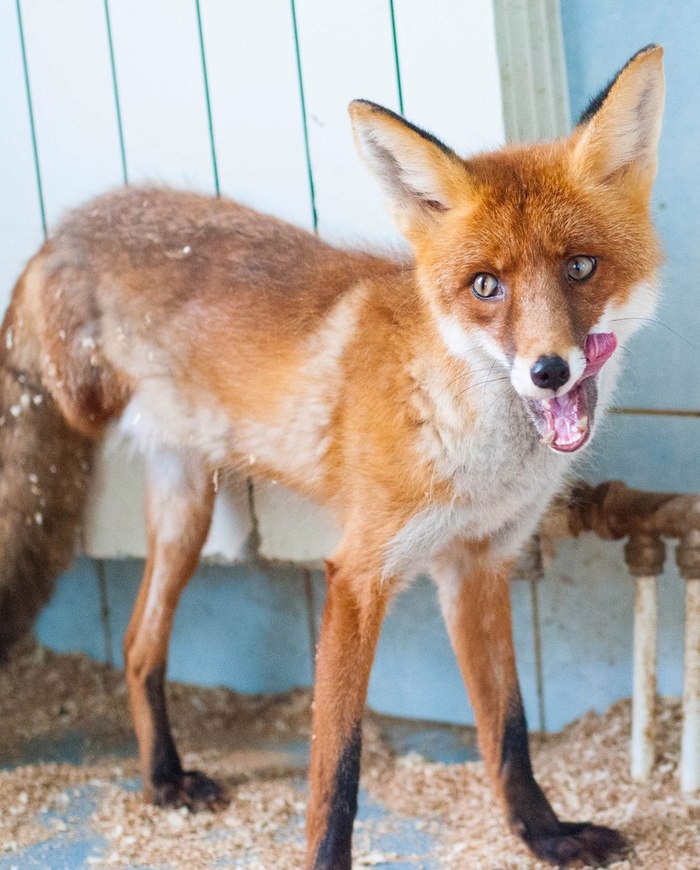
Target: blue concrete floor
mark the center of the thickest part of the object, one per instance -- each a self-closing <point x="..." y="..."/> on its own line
<point x="72" y="842"/>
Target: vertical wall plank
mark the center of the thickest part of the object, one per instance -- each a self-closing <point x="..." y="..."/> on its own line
<point x="161" y="86"/>
<point x="449" y="71"/>
<point x="346" y="52"/>
<point x="20" y="214"/>
<point x="73" y="98"/>
<point x="256" y="108"/>
<point x="533" y="70"/>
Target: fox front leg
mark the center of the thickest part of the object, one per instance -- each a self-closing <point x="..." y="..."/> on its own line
<point x="475" y="600"/>
<point x="352" y="618"/>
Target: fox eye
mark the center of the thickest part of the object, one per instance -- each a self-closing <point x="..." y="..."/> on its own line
<point x="486" y="286"/>
<point x="581" y="267"/>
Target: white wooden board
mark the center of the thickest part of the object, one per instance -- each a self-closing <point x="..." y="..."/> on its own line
<point x="75" y="116"/>
<point x="449" y="73"/>
<point x="256" y="107"/>
<point x="292" y="527"/>
<point x="161" y="88"/>
<point x="114" y="522"/>
<point x="346" y="53"/>
<point x="20" y="214"/>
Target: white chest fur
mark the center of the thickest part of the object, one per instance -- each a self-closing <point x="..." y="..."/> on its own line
<point x="483" y="443"/>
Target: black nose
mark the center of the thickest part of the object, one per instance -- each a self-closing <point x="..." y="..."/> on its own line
<point x="550" y="372"/>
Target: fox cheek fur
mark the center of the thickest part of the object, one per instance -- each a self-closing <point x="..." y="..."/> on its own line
<point x="404" y="396"/>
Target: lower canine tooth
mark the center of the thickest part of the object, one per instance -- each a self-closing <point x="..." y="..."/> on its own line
<point x="548" y="439"/>
<point x="582" y="424"/>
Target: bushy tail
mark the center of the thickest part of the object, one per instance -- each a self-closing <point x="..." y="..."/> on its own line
<point x="44" y="468"/>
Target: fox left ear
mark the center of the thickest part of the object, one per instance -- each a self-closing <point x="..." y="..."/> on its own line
<point x="620" y="130"/>
<point x="419" y="175"/>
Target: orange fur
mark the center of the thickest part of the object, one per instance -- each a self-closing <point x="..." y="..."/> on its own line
<point x="385" y="390"/>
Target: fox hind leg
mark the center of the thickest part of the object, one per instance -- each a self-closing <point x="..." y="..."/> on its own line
<point x="179" y="503"/>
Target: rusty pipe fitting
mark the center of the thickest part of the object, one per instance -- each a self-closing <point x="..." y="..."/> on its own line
<point x="688" y="555"/>
<point x="645" y="555"/>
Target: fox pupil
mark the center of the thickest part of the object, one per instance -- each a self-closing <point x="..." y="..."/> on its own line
<point x="485" y="285"/>
<point x="581" y="267"/>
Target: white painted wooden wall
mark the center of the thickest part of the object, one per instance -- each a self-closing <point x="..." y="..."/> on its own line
<point x="243" y="98"/>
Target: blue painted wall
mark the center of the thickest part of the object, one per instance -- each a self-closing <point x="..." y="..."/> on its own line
<point x="599" y="36"/>
<point x="254" y="628"/>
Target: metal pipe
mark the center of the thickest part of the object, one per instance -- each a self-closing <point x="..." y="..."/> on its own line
<point x="645" y="555"/>
<point x="690" y="739"/>
<point x="644" y="683"/>
<point x="613" y="511"/>
<point x="688" y="560"/>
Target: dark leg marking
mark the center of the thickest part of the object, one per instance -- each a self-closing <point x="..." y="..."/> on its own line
<point x="335" y="849"/>
<point x="165" y="762"/>
<point x="531" y="816"/>
<point x="173" y="786"/>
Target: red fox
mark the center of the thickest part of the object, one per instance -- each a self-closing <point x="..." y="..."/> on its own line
<point x="433" y="404"/>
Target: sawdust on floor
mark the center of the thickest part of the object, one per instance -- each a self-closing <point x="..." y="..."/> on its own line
<point x="584" y="770"/>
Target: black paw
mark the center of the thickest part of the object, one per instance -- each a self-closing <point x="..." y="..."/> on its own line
<point x="191" y="789"/>
<point x="579" y="842"/>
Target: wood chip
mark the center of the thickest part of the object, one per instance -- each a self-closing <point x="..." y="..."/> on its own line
<point x="46" y="698"/>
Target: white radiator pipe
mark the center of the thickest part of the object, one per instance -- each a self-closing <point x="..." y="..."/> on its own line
<point x="690" y="740"/>
<point x="644" y="684"/>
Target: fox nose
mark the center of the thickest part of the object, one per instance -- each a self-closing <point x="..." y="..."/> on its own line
<point x="550" y="372"/>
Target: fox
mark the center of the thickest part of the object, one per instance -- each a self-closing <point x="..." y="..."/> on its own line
<point x="433" y="402"/>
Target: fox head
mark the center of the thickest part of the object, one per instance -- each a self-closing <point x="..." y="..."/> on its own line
<point x="542" y="257"/>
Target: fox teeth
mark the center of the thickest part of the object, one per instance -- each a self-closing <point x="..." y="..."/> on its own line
<point x="582" y="424"/>
<point x="549" y="438"/>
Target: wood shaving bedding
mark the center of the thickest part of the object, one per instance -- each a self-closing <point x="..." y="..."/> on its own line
<point x="584" y="770"/>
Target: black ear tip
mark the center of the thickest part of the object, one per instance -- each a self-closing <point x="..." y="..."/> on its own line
<point x="600" y="98"/>
<point x="359" y="104"/>
<point x="652" y="48"/>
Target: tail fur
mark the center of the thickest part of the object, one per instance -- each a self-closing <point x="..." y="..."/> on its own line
<point x="44" y="469"/>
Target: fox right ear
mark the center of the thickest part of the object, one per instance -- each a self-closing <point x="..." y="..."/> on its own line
<point x="619" y="132"/>
<point x="420" y="176"/>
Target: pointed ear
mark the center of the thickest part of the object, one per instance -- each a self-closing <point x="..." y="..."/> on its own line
<point x="619" y="132"/>
<point x="420" y="176"/>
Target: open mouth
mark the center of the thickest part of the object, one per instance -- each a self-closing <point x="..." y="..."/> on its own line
<point x="564" y="422"/>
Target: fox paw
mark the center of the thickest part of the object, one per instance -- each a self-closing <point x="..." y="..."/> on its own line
<point x="191" y="789"/>
<point x="579" y="842"/>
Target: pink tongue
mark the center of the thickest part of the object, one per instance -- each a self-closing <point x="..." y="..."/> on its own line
<point x="568" y="423"/>
<point x="599" y="347"/>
